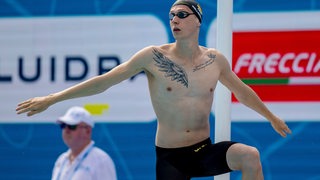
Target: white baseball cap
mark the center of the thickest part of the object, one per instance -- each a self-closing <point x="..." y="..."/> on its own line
<point x="76" y="115"/>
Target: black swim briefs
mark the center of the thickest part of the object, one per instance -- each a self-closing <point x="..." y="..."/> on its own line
<point x="198" y="160"/>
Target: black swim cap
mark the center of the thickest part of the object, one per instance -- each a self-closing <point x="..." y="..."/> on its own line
<point x="193" y="5"/>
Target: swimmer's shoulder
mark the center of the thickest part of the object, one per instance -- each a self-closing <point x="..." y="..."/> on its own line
<point x="207" y="50"/>
<point x="164" y="47"/>
<point x="146" y="54"/>
<point x="149" y="50"/>
<point x="212" y="52"/>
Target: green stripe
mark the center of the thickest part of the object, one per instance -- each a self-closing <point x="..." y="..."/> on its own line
<point x="265" y="81"/>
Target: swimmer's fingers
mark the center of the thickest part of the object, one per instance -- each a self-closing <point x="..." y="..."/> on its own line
<point x="24" y="106"/>
<point x="281" y="127"/>
<point x="284" y="132"/>
<point x="32" y="106"/>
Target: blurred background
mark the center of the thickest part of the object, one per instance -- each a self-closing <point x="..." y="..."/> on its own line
<point x="49" y="45"/>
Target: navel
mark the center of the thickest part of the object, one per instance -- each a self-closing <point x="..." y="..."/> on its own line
<point x="187" y="130"/>
<point x="169" y="89"/>
<point x="211" y="89"/>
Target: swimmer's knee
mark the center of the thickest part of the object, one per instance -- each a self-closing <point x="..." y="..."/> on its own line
<point x="240" y="156"/>
<point x="252" y="155"/>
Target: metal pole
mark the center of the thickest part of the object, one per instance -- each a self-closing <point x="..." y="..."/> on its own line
<point x="222" y="94"/>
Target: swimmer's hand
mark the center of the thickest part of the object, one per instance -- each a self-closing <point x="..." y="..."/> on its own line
<point x="34" y="105"/>
<point x="280" y="127"/>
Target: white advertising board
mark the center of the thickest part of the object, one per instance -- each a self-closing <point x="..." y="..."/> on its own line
<point x="39" y="56"/>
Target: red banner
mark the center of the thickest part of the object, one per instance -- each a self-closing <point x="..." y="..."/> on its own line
<point x="277" y="55"/>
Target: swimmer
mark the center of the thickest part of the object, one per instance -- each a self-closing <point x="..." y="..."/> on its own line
<point x="182" y="77"/>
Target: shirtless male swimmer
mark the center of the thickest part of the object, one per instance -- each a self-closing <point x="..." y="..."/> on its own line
<point x="182" y="77"/>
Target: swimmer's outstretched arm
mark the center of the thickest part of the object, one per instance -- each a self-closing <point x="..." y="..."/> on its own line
<point x="248" y="97"/>
<point x="89" y="87"/>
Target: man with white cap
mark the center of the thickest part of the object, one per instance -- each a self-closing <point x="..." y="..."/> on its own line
<point x="83" y="160"/>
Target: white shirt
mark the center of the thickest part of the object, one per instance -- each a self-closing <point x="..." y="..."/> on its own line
<point x="91" y="164"/>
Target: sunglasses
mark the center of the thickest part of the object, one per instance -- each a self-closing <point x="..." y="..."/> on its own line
<point x="71" y="127"/>
<point x="180" y="14"/>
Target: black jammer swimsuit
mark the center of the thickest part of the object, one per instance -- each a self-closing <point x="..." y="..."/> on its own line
<point x="198" y="160"/>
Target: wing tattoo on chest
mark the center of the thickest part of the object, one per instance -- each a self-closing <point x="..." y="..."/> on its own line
<point x="171" y="69"/>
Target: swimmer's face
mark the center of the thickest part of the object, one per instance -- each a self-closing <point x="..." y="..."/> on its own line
<point x="182" y="21"/>
<point x="192" y="5"/>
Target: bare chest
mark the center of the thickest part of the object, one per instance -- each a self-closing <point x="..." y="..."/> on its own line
<point x="183" y="78"/>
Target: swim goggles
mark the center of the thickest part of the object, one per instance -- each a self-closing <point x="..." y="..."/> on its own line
<point x="180" y="14"/>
